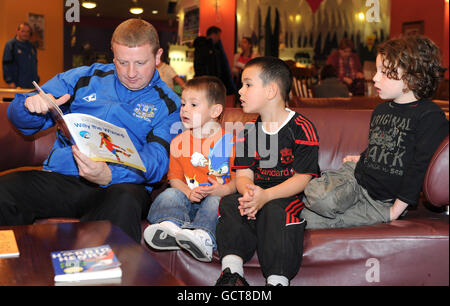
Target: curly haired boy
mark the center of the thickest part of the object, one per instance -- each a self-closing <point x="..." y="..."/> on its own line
<point x="386" y="178"/>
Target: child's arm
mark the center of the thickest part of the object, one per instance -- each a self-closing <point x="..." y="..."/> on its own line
<point x="218" y="189"/>
<point x="351" y="158"/>
<point x="292" y="186"/>
<point x="397" y="209"/>
<point x="194" y="195"/>
<point x="244" y="177"/>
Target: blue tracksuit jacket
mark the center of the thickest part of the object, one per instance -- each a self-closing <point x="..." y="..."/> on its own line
<point x="20" y="63"/>
<point x="150" y="116"/>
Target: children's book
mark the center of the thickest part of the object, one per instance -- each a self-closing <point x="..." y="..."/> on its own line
<point x="8" y="244"/>
<point x="96" y="138"/>
<point x="86" y="264"/>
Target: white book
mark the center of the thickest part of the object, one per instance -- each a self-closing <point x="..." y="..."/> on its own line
<point x="96" y="138"/>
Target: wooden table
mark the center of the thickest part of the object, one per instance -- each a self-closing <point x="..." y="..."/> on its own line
<point x="36" y="242"/>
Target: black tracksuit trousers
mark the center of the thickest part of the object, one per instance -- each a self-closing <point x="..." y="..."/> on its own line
<point x="29" y="195"/>
<point x="276" y="234"/>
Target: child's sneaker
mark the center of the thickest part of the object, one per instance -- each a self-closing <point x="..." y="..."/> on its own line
<point x="231" y="279"/>
<point x="161" y="236"/>
<point x="199" y="245"/>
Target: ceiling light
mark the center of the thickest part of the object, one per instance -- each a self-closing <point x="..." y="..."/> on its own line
<point x="136" y="10"/>
<point x="154" y="12"/>
<point x="89" y="4"/>
<point x="361" y="16"/>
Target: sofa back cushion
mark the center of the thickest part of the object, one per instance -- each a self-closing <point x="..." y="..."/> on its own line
<point x="341" y="132"/>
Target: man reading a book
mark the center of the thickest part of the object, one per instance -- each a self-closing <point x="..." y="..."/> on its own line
<point x="128" y="93"/>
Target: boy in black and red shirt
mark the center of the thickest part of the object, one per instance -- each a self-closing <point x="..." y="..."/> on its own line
<point x="276" y="156"/>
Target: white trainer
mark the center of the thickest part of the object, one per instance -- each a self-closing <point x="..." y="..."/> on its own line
<point x="161" y="236"/>
<point x="197" y="242"/>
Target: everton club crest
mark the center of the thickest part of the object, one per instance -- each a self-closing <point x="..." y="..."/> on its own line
<point x="145" y="111"/>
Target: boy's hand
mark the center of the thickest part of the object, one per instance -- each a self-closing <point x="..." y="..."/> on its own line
<point x="351" y="158"/>
<point x="35" y="104"/>
<point x="196" y="194"/>
<point x="96" y="172"/>
<point x="216" y="188"/>
<point x="251" y="203"/>
<point x="397" y="209"/>
<point x="247" y="197"/>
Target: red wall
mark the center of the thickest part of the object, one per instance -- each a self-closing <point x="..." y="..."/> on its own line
<point x="224" y="19"/>
<point x="434" y="13"/>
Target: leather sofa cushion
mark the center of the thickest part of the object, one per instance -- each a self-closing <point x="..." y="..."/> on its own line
<point x="407" y="252"/>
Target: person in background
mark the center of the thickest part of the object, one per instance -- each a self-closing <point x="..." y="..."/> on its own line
<point x="240" y="59"/>
<point x="329" y="85"/>
<point x="348" y="66"/>
<point x="368" y="52"/>
<point x="169" y="75"/>
<point x="210" y="58"/>
<point x="20" y="59"/>
<point x="368" y="56"/>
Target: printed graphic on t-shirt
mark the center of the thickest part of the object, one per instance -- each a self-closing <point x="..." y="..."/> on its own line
<point x="386" y="148"/>
<point x="217" y="162"/>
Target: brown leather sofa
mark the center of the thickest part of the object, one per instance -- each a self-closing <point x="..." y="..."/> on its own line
<point x="410" y="251"/>
<point x="350" y="103"/>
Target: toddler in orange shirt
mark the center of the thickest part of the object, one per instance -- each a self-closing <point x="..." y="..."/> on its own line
<point x="201" y="159"/>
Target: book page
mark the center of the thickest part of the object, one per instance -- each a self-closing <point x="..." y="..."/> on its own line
<point x="103" y="141"/>
<point x="8" y="244"/>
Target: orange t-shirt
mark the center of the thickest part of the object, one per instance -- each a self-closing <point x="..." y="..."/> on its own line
<point x="193" y="160"/>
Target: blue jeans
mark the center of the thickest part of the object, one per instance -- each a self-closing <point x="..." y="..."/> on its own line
<point x="173" y="205"/>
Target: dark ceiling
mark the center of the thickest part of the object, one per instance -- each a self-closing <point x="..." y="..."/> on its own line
<point x="120" y="9"/>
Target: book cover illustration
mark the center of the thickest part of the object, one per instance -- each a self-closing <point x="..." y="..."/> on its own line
<point x="8" y="244"/>
<point x="86" y="264"/>
<point x="103" y="141"/>
<point x="96" y="138"/>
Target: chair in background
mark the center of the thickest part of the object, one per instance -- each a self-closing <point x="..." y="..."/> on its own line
<point x="302" y="82"/>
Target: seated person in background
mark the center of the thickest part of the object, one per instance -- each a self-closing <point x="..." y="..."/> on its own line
<point x="379" y="185"/>
<point x="128" y="94"/>
<point x="240" y="59"/>
<point x="264" y="214"/>
<point x="329" y="86"/>
<point x="201" y="158"/>
<point x="169" y="75"/>
<point x="348" y="66"/>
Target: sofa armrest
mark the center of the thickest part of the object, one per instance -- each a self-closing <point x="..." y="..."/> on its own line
<point x="18" y="150"/>
<point x="435" y="184"/>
